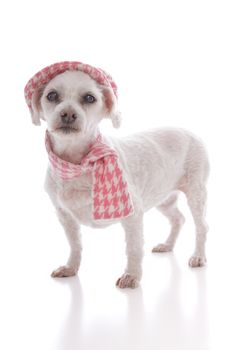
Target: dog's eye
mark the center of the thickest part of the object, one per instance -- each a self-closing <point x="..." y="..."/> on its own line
<point x="53" y="96"/>
<point x="89" y="98"/>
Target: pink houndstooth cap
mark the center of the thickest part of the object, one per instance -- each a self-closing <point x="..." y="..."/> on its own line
<point x="41" y="78"/>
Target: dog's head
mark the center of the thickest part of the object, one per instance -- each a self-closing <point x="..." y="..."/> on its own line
<point x="73" y="103"/>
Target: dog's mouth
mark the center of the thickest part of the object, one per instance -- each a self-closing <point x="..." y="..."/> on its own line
<point x="67" y="129"/>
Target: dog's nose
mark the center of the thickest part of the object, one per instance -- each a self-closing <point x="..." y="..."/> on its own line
<point x="68" y="117"/>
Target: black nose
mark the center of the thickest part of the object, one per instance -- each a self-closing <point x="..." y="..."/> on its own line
<point x="68" y="117"/>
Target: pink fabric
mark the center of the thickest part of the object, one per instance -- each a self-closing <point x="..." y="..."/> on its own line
<point x="111" y="198"/>
<point x="41" y="78"/>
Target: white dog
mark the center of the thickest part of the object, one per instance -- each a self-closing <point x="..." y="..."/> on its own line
<point x="155" y="165"/>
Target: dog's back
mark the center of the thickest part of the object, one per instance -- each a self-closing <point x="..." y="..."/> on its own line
<point x="160" y="161"/>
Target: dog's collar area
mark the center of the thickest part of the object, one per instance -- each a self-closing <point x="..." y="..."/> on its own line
<point x="110" y="196"/>
<point x="66" y="170"/>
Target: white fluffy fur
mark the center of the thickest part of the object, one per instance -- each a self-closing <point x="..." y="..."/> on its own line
<point x="158" y="165"/>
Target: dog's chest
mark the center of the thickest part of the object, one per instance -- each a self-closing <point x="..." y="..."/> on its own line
<point x="75" y="196"/>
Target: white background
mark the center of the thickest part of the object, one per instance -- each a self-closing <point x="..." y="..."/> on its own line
<point x="170" y="61"/>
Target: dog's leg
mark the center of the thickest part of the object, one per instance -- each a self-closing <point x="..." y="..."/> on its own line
<point x="176" y="219"/>
<point x="72" y="230"/>
<point x="196" y="196"/>
<point x="133" y="227"/>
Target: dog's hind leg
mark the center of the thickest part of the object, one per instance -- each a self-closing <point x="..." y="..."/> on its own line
<point x="196" y="196"/>
<point x="176" y="219"/>
<point x="197" y="170"/>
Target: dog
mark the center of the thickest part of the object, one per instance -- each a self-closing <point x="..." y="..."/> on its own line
<point x="154" y="166"/>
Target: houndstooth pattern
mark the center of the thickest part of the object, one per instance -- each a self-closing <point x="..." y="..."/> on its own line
<point x="41" y="78"/>
<point x="111" y="199"/>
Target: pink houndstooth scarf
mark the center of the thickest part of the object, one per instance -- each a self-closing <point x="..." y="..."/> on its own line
<point x="111" y="199"/>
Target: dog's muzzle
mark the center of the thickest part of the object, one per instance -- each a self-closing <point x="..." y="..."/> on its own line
<point x="68" y="116"/>
<point x="68" y="119"/>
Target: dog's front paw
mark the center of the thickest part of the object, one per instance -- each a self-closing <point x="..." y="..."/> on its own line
<point x="197" y="261"/>
<point x="64" y="271"/>
<point x="162" y="248"/>
<point x="127" y="281"/>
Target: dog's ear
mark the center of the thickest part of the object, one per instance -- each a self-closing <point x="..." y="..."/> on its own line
<point x="36" y="110"/>
<point x="111" y="107"/>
